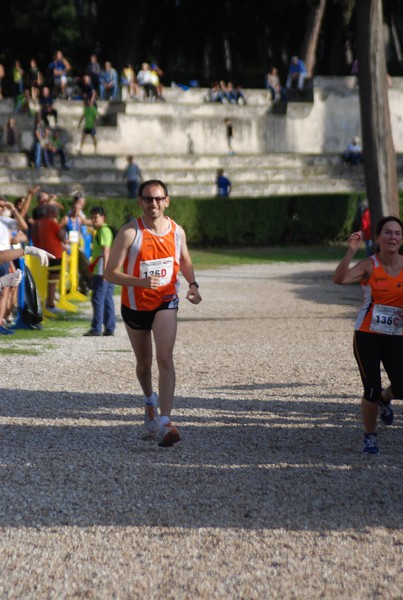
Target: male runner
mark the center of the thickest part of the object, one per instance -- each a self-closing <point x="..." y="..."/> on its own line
<point x="145" y="260"/>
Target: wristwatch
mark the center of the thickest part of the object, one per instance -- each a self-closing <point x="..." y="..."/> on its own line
<point x="194" y="283"/>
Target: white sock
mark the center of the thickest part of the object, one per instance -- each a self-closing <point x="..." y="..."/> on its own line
<point x="151" y="400"/>
<point x="164" y="421"/>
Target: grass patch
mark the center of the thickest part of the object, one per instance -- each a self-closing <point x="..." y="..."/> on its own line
<point x="20" y="351"/>
<point x="220" y="257"/>
<point x="62" y="326"/>
<point x="70" y="324"/>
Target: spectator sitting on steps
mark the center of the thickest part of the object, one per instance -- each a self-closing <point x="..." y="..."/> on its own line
<point x="59" y="67"/>
<point x="47" y="108"/>
<point x="297" y="74"/>
<point x="109" y="83"/>
<point x="215" y="93"/>
<point x="352" y="155"/>
<point x="273" y="84"/>
<point x="11" y="135"/>
<point x="145" y="81"/>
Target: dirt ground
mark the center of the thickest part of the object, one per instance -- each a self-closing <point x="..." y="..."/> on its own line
<point x="267" y="495"/>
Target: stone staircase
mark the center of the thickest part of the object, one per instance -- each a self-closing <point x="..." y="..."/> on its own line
<point x="182" y="141"/>
<point x="191" y="176"/>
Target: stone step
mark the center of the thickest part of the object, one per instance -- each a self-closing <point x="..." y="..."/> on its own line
<point x="211" y="161"/>
<point x="196" y="175"/>
<point x="172" y="94"/>
<point x="252" y="189"/>
<point x="13" y="160"/>
<point x="246" y="189"/>
<point x="87" y="160"/>
<point x="191" y="175"/>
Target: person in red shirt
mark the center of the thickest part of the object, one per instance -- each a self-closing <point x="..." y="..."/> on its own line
<point x="366" y="229"/>
<point x="51" y="237"/>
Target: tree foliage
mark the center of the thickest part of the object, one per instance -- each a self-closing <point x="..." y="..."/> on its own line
<point x="190" y="39"/>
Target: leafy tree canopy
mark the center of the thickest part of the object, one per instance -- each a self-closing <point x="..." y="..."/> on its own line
<point x="189" y="39"/>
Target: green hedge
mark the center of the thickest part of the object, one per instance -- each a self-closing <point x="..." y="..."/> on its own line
<point x="241" y="222"/>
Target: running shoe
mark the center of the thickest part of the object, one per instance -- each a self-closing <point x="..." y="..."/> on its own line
<point x="370" y="444"/>
<point x="386" y="414"/>
<point x="151" y="417"/>
<point x="92" y="333"/>
<point x="5" y="331"/>
<point x="54" y="310"/>
<point x="168" y="436"/>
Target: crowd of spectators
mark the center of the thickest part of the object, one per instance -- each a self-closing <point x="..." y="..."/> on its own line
<point x="144" y="84"/>
<point x="35" y="90"/>
<point x="36" y="224"/>
<point x="225" y="93"/>
<point x="58" y="79"/>
<point x="64" y="82"/>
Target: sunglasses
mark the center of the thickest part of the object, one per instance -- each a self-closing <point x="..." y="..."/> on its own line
<point x="149" y="199"/>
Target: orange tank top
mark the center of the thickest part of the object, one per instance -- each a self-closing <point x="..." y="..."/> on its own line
<point x="153" y="254"/>
<point x="382" y="298"/>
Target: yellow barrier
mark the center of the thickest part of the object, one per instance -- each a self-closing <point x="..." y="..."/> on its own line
<point x="40" y="275"/>
<point x="74" y="294"/>
<point x="69" y="277"/>
<point x="63" y="303"/>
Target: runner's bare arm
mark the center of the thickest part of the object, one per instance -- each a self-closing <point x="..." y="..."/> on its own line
<point x="187" y="271"/>
<point x="344" y="274"/>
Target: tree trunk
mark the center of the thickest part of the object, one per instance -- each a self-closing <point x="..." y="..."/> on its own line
<point x="308" y="53"/>
<point x="378" y="151"/>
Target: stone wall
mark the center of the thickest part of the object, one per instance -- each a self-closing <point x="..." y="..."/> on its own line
<point x="186" y="124"/>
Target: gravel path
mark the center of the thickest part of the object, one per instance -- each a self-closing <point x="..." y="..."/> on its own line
<point x="267" y="495"/>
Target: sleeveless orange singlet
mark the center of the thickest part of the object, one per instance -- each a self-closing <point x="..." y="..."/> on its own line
<point x="153" y="254"/>
<point x="382" y="295"/>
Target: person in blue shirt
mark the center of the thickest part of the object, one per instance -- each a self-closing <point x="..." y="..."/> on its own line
<point x="296" y="73"/>
<point x="109" y="83"/>
<point x="352" y="155"/>
<point x="60" y="67"/>
<point x="223" y="184"/>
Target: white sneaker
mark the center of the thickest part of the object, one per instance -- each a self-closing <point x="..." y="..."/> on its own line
<point x="151" y="417"/>
<point x="54" y="310"/>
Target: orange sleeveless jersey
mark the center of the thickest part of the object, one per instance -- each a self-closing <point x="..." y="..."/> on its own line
<point x="385" y="291"/>
<point x="153" y="254"/>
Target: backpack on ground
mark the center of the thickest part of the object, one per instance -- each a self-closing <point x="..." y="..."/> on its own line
<point x="31" y="312"/>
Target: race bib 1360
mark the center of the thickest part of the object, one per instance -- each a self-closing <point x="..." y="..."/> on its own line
<point x="386" y="319"/>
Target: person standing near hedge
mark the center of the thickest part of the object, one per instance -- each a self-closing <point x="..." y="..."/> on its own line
<point x="145" y="260"/>
<point x="223" y="184"/>
<point x="103" y="308"/>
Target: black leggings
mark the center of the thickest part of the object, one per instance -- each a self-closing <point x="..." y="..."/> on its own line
<point x="370" y="351"/>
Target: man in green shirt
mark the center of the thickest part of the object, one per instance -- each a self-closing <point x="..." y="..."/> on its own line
<point x="89" y="117"/>
<point x="103" y="308"/>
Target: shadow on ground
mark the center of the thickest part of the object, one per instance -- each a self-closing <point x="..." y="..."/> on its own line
<point x="290" y="462"/>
